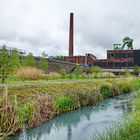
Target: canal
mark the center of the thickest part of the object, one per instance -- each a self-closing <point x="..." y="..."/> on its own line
<point x="83" y="123"/>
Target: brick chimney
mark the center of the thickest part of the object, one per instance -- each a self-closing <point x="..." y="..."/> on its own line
<point x="71" y="34"/>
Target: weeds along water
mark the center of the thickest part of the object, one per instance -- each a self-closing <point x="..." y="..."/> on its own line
<point x="129" y="130"/>
<point x="35" y="104"/>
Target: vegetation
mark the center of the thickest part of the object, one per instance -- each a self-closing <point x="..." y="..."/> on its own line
<point x="127" y="73"/>
<point x="35" y="104"/>
<point x="5" y="65"/>
<point x="136" y="70"/>
<point x="29" y="73"/>
<point x="95" y="70"/>
<point x="63" y="73"/>
<point x="78" y="71"/>
<point x="43" y="64"/>
<point x="130" y="130"/>
<point x="29" y="60"/>
<point x="15" y="60"/>
<point x="106" y="90"/>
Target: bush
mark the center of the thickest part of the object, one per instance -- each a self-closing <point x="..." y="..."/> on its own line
<point x="25" y="113"/>
<point x="63" y="103"/>
<point x="106" y="91"/>
<point x="125" y="87"/>
<point x="95" y="70"/>
<point x="63" y="73"/>
<point x="108" y="75"/>
<point x="28" y="73"/>
<point x="136" y="70"/>
<point x="53" y="76"/>
<point x="127" y="73"/>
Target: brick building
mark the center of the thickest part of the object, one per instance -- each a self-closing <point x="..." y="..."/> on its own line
<point x="116" y="59"/>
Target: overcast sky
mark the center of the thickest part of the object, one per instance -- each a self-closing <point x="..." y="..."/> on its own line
<point x="38" y="25"/>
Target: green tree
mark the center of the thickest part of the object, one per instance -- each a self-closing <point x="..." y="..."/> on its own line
<point x="15" y="60"/>
<point x="5" y="65"/>
<point x="29" y="60"/>
<point x="43" y="63"/>
<point x="78" y="71"/>
<point x="95" y="70"/>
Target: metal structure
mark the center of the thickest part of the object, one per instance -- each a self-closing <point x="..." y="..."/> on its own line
<point x="126" y="41"/>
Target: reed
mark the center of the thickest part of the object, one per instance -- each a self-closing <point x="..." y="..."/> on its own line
<point x="29" y="73"/>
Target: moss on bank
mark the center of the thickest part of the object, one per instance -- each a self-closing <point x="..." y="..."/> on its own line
<point x="35" y="104"/>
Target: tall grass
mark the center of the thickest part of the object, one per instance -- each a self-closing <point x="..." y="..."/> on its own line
<point x="29" y="73"/>
<point x="8" y="117"/>
<point x="130" y="130"/>
<point x="35" y="104"/>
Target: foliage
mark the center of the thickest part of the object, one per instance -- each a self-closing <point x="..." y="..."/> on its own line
<point x="106" y="91"/>
<point x="29" y="73"/>
<point x="25" y="113"/>
<point x="8" y="117"/>
<point x="95" y="70"/>
<point x="78" y="71"/>
<point x="29" y="60"/>
<point x="127" y="131"/>
<point x="15" y="60"/>
<point x="40" y="103"/>
<point x="125" y="87"/>
<point x="107" y="75"/>
<point x="5" y="65"/>
<point x="63" y="73"/>
<point x="53" y="76"/>
<point x="61" y="58"/>
<point x="43" y="63"/>
<point x="136" y="70"/>
<point x="63" y="103"/>
<point x="127" y="73"/>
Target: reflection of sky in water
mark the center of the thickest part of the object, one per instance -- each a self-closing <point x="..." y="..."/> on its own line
<point x="83" y="123"/>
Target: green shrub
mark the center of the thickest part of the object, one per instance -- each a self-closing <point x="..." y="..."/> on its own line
<point x="63" y="103"/>
<point x="25" y="113"/>
<point x="125" y="87"/>
<point x="127" y="73"/>
<point x="63" y="73"/>
<point x="53" y="76"/>
<point x="106" y="91"/>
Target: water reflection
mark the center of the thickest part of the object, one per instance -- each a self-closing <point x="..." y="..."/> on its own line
<point x="82" y="123"/>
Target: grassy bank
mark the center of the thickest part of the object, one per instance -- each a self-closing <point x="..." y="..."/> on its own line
<point x="130" y="130"/>
<point x="35" y="104"/>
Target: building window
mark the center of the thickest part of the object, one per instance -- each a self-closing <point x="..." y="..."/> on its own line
<point x="111" y="55"/>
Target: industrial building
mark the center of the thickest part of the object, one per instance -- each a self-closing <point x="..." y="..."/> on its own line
<point x="116" y="59"/>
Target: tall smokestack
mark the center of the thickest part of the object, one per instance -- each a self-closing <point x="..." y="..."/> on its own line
<point x="71" y="35"/>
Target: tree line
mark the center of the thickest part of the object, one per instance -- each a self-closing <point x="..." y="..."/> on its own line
<point x="10" y="61"/>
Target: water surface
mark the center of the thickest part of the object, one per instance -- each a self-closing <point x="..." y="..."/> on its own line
<point x="82" y="123"/>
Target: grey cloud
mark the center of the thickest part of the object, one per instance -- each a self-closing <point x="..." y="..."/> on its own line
<point x="37" y="25"/>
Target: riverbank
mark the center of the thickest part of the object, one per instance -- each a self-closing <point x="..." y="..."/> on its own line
<point x="35" y="104"/>
<point x="130" y="130"/>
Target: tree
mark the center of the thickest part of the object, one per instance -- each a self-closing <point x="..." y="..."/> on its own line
<point x="5" y="65"/>
<point x="78" y="71"/>
<point x="95" y="70"/>
<point x="29" y="60"/>
<point x="43" y="63"/>
<point x="15" y="60"/>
